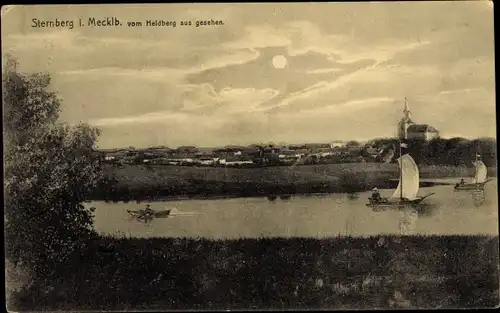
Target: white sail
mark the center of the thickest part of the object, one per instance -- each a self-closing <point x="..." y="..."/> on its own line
<point x="410" y="180"/>
<point x="481" y="173"/>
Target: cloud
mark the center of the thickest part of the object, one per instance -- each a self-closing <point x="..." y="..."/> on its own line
<point x="458" y="91"/>
<point x="362" y="74"/>
<point x="157" y="74"/>
<point x="357" y="109"/>
<point x="199" y="100"/>
<point x="236" y="57"/>
<point x="63" y="51"/>
<point x="343" y="49"/>
<point x="302" y="37"/>
<point x="350" y="106"/>
<point x="261" y="36"/>
<point x="467" y="111"/>
<point x="204" y="99"/>
<point x="164" y="73"/>
<point x="244" y="100"/>
<point x="381" y="53"/>
<point x="143" y="118"/>
<point x="324" y="70"/>
<point x="161" y="128"/>
<point x="61" y="39"/>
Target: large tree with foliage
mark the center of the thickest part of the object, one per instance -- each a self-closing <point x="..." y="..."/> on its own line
<point x="49" y="168"/>
<point x="454" y="151"/>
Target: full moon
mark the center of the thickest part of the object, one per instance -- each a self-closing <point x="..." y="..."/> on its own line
<point x="279" y="61"/>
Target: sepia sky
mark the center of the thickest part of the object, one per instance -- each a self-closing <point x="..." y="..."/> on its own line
<point x="345" y="71"/>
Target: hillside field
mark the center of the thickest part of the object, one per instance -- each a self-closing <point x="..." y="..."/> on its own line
<point x="138" y="181"/>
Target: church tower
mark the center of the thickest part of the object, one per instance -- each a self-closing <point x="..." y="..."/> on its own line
<point x="405" y="122"/>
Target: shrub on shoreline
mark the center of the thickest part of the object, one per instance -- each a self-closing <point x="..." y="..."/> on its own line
<point x="49" y="169"/>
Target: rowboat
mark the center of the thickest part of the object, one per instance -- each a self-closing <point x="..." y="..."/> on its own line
<point x="143" y="214"/>
<point x="479" y="179"/>
<point x="405" y="194"/>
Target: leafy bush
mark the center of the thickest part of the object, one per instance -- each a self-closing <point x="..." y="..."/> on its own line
<point x="49" y="168"/>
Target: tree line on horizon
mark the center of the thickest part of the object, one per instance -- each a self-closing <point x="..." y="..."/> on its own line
<point x="455" y="151"/>
<point x="376" y="142"/>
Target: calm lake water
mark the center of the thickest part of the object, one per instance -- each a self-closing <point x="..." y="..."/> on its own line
<point x="446" y="212"/>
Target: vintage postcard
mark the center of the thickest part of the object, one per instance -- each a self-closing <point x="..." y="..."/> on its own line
<point x="250" y="156"/>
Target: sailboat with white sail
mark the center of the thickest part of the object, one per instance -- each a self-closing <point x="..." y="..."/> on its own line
<point x="479" y="180"/>
<point x="407" y="191"/>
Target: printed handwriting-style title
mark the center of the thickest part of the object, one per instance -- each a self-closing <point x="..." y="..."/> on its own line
<point x="114" y="22"/>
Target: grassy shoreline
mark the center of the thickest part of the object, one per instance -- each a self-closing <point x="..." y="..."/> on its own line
<point x="141" y="183"/>
<point x="273" y="273"/>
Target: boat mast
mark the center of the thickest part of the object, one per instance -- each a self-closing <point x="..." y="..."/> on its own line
<point x="401" y="161"/>
<point x="475" y="163"/>
<point x="477" y="150"/>
<point x="400" y="172"/>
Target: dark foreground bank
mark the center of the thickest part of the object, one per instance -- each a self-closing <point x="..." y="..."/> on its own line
<point x="374" y="272"/>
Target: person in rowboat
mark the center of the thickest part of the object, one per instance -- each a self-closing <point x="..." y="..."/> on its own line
<point x="376" y="195"/>
<point x="148" y="209"/>
<point x="148" y="212"/>
<point x="461" y="183"/>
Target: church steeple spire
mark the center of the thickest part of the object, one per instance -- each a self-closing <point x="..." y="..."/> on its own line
<point x="405" y="121"/>
<point x="407" y="111"/>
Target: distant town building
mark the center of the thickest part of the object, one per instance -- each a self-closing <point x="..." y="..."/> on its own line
<point x="234" y="160"/>
<point x="207" y="161"/>
<point x="205" y="151"/>
<point x="187" y="149"/>
<point x="407" y="129"/>
<point x="337" y="144"/>
<point x="372" y="150"/>
<point x="423" y="132"/>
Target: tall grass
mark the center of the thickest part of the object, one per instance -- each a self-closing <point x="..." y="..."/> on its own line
<point x="274" y="273"/>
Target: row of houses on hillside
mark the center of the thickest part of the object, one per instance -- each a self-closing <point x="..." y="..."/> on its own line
<point x="229" y="155"/>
